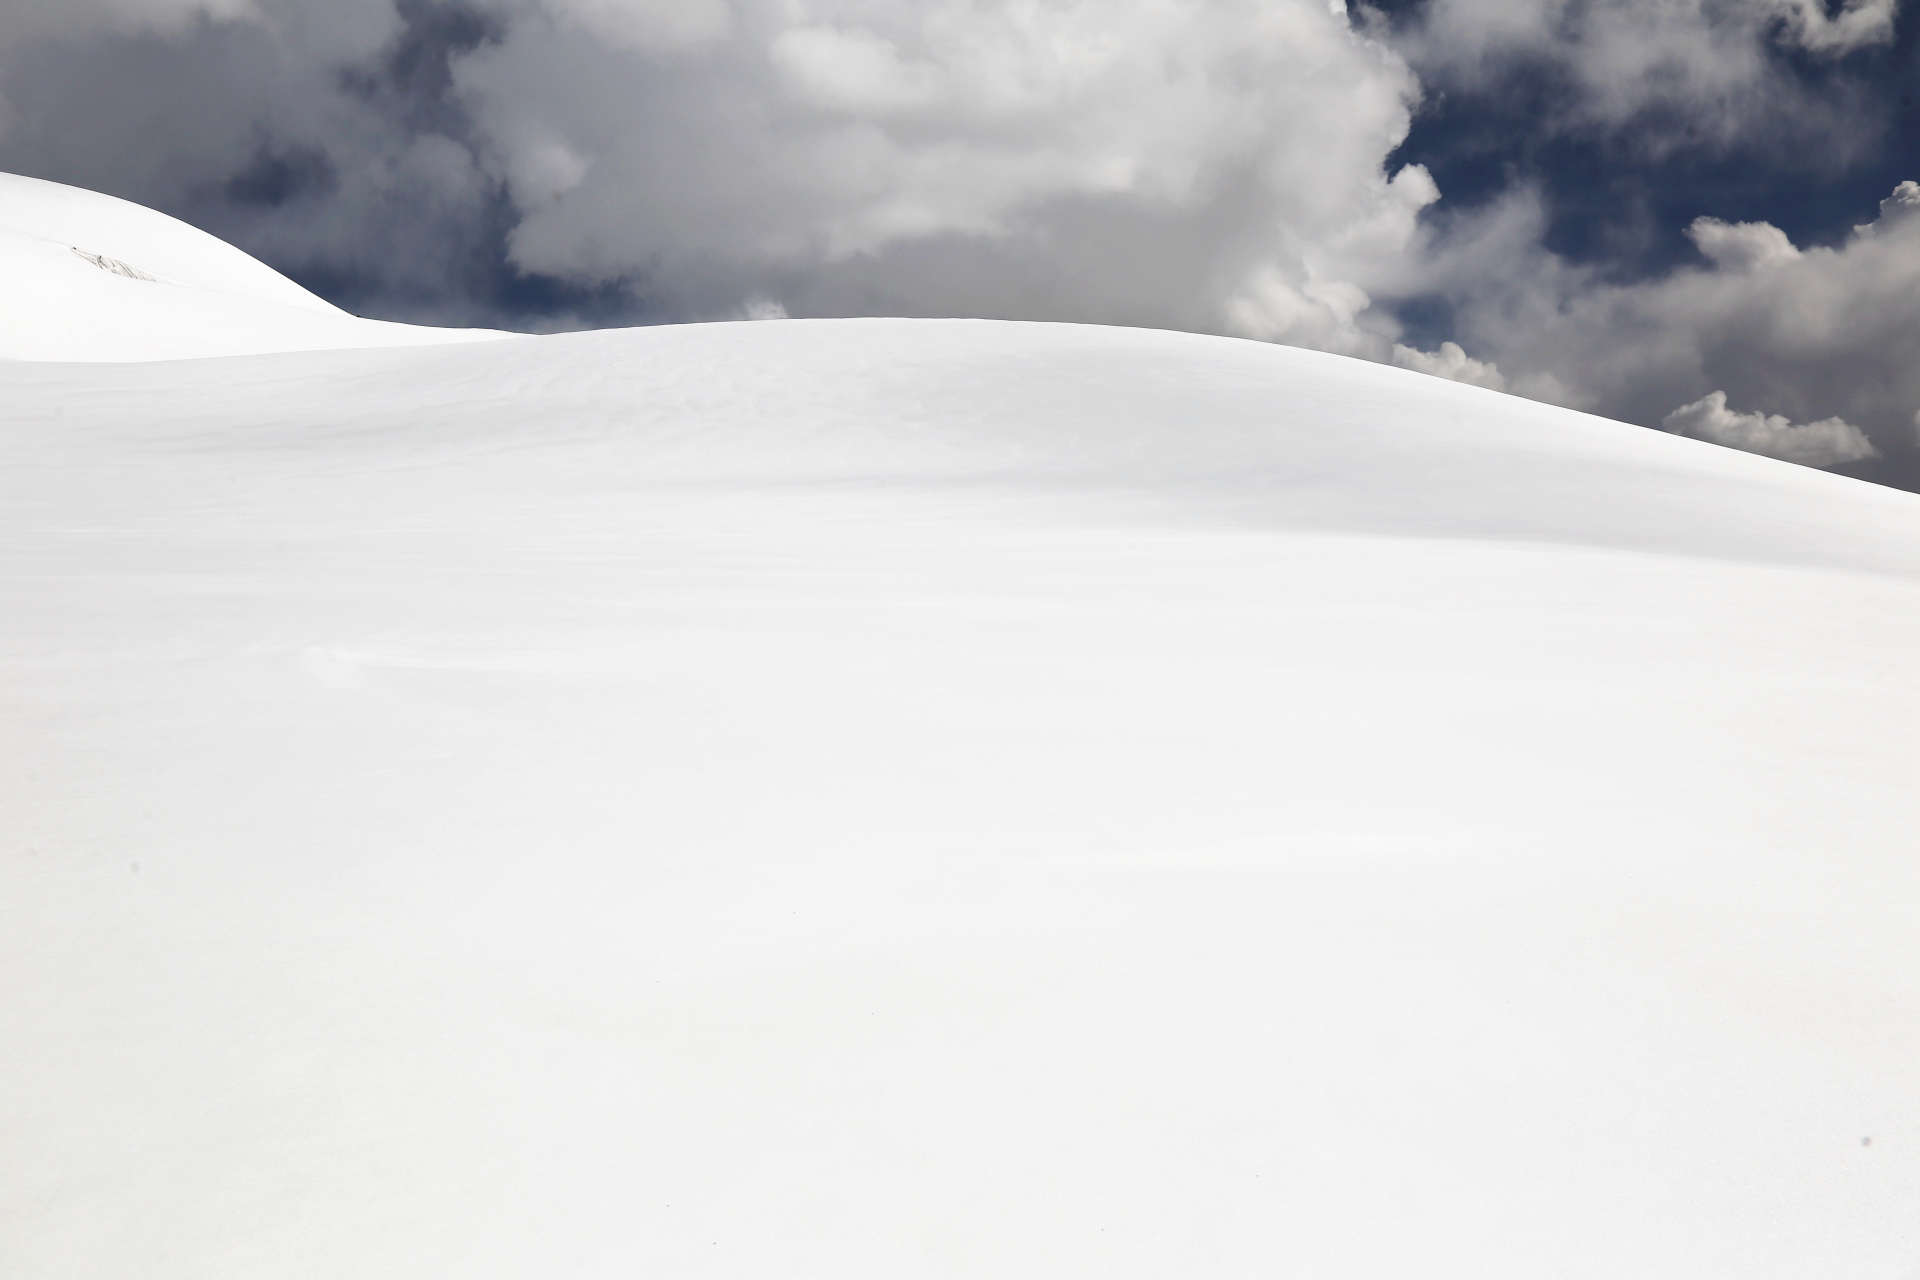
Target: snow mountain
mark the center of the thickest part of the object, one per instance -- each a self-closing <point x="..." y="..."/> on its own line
<point x="875" y="798"/>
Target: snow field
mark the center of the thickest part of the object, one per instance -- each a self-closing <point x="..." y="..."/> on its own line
<point x="941" y="798"/>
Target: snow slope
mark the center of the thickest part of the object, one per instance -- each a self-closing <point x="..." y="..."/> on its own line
<point x="952" y="799"/>
<point x="90" y="277"/>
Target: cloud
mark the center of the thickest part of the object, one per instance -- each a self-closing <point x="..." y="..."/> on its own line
<point x="1661" y="75"/>
<point x="1826" y="443"/>
<point x="648" y="26"/>
<point x="1818" y="335"/>
<point x="1858" y="24"/>
<point x="27" y="18"/>
<point x="1208" y="164"/>
<point x="1741" y="246"/>
<point x="1450" y="361"/>
<point x="1217" y="165"/>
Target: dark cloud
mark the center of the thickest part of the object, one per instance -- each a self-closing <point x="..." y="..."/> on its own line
<point x="410" y="82"/>
<point x="275" y="178"/>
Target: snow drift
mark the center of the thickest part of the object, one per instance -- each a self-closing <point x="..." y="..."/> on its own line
<point x="880" y="798"/>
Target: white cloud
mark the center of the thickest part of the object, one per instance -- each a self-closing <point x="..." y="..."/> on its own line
<point x="1858" y="24"/>
<point x="1826" y="443"/>
<point x="1208" y="164"/>
<point x="1450" y="361"/>
<point x="856" y="72"/>
<point x="1741" y="246"/>
<point x="1903" y="204"/>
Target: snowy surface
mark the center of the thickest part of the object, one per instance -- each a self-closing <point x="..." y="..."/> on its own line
<point x="941" y="799"/>
<point x="90" y="277"/>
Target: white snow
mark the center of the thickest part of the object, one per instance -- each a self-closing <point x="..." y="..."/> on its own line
<point x="90" y="277"/>
<point x="934" y="798"/>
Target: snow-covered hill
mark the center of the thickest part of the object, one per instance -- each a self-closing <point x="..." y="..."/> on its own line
<point x="883" y="798"/>
<point x="89" y="277"/>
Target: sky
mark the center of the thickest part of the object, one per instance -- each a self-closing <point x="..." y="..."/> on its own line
<point x="1701" y="216"/>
